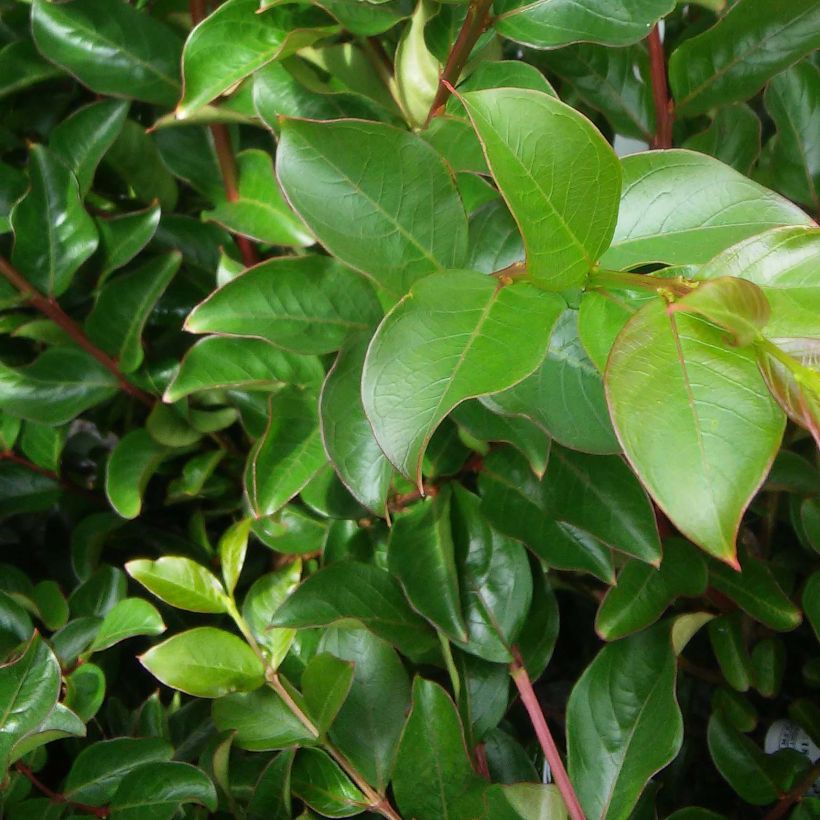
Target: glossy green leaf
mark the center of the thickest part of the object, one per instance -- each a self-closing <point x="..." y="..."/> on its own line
<point x="154" y="791"/>
<point x="60" y="723"/>
<point x="206" y="663"/>
<point x="306" y="305"/>
<point x="421" y="556"/>
<point x="546" y="158"/>
<point x="123" y="236"/>
<point x="21" y="66"/>
<point x="369" y="737"/>
<point x="346" y="432"/>
<point x="99" y="593"/>
<point x="494" y="239"/>
<point x="326" y="683"/>
<point x="117" y="321"/>
<point x="128" y="619"/>
<point x="180" y="582"/>
<point x="425" y="359"/>
<point x="232" y="549"/>
<point x="733" y="59"/>
<point x="348" y="589"/>
<point x="722" y="425"/>
<point x="110" y="47"/>
<point x="51" y="210"/>
<point x="56" y="387"/>
<point x="732" y="137"/>
<point x="623" y="722"/>
<point x="22" y="490"/>
<point x="235" y="40"/>
<point x="98" y="770"/>
<point x="84" y="693"/>
<point x="266" y="595"/>
<point x="43" y="444"/>
<point x="643" y="592"/>
<point x="366" y="19"/>
<point x="768" y="666"/>
<point x="732" y="654"/>
<point x="52" y="608"/>
<point x="683" y="208"/>
<point x="322" y="785"/>
<point x="260" y="212"/>
<point x="130" y="467"/>
<point x="402" y="219"/>
<point x="288" y="455"/>
<point x="271" y="798"/>
<point x="548" y="24"/>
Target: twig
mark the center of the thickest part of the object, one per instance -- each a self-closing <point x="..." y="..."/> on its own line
<point x="474" y="24"/>
<point x="660" y="92"/>
<point x="10" y="455"/>
<point x="51" y="309"/>
<point x="793" y="795"/>
<point x="559" y="773"/>
<point x="56" y="797"/>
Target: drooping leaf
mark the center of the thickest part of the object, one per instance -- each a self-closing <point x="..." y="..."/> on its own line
<point x="546" y="159"/>
<point x="180" y="582"/>
<point x="722" y="425"/>
<point x="130" y="467"/>
<point x="425" y="358"/>
<point x="402" y="219"/>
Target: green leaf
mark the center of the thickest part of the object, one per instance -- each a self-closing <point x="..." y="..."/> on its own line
<point x="348" y="589"/>
<point x="494" y="239"/>
<point x="425" y="358"/>
<point x="643" y="592"/>
<point x="82" y="140"/>
<point x="132" y="463"/>
<point x="43" y="444"/>
<point x="118" y="318"/>
<point x="128" y="619"/>
<point x="623" y="722"/>
<point x="732" y="137"/>
<point x="416" y="68"/>
<point x="53" y="234"/>
<point x="792" y="99"/>
<point x="307" y="304"/>
<point x="110" y="47"/>
<point x="674" y="386"/>
<point x="729" y="645"/>
<point x="565" y="395"/>
<point x="346" y="432"/>
<point x="683" y="208"/>
<point x="206" y="663"/>
<point x="548" y="24"/>
<point x="232" y="548"/>
<point x="29" y="688"/>
<point x="21" y="67"/>
<point x="500" y="74"/>
<point x="546" y="159"/>
<point x="98" y="769"/>
<point x="536" y="801"/>
<point x="733" y="59"/>
<point x="271" y="796"/>
<point x="180" y="582"/>
<point x="261" y="720"/>
<point x="768" y="666"/>
<point x="421" y="556"/>
<point x="154" y="791"/>
<point x="783" y="264"/>
<point x="60" y="723"/>
<point x="402" y="219"/>
<point x="84" y="692"/>
<point x="322" y="785"/>
<point x="326" y="683"/>
<point x="99" y="593"/>
<point x="811" y="602"/>
<point x="366" y="19"/>
<point x="433" y="771"/>
<point x="22" y="490"/>
<point x="236" y="40"/>
<point x="369" y="737"/>
<point x="260" y="211"/>
<point x="123" y="236"/>
<point x="57" y="387"/>
<point x="288" y="455"/>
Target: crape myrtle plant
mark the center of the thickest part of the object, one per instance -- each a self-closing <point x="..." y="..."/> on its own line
<point x="409" y="410"/>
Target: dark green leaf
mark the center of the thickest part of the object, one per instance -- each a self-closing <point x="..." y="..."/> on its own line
<point x="323" y="786"/>
<point x="732" y="137"/>
<point x="21" y="67"/>
<point x="326" y="683"/>
<point x="729" y="645"/>
<point x="123" y="236"/>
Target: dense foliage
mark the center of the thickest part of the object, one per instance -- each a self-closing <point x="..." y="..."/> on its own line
<point x="383" y="423"/>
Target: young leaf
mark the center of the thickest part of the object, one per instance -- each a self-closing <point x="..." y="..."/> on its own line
<point x="180" y="582"/>
<point x="402" y="219"/>
<point x="128" y="618"/>
<point x="110" y="47"/>
<point x="132" y="463"/>
<point x="623" y="722"/>
<point x="421" y="556"/>
<point x="722" y="426"/>
<point x="305" y="304"/>
<point x="206" y="663"/>
<point x="547" y="158"/>
<point x="322" y="785"/>
<point x="232" y="548"/>
<point x="425" y="358"/>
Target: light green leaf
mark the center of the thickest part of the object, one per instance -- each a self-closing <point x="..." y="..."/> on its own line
<point x="129" y="618"/>
<point x="130" y="466"/>
<point x="306" y="304"/>
<point x="52" y="607"/>
<point x="85" y="692"/>
<point x="674" y="386"/>
<point x="682" y="208"/>
<point x="180" y="582"/>
<point x="425" y="358"/>
<point x="43" y="444"/>
<point x="402" y="217"/>
<point x="416" y="69"/>
<point x="547" y="158"/>
<point x="232" y="548"/>
<point x="206" y="663"/>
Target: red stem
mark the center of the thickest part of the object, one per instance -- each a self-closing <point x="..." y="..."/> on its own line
<point x="56" y="797"/>
<point x="542" y="732"/>
<point x="660" y="92"/>
<point x="474" y="24"/>
<point x="10" y="455"/>
<point x="793" y="795"/>
<point x="51" y="309"/>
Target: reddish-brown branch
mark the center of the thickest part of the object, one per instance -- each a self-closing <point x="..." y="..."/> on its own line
<point x="482" y="766"/>
<point x="56" y="797"/>
<point x="793" y="795"/>
<point x="51" y="309"/>
<point x="660" y="91"/>
<point x="10" y="455"/>
<point x="474" y="25"/>
<point x="559" y="773"/>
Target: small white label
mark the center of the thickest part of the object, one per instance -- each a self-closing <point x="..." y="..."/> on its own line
<point x="785" y="734"/>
